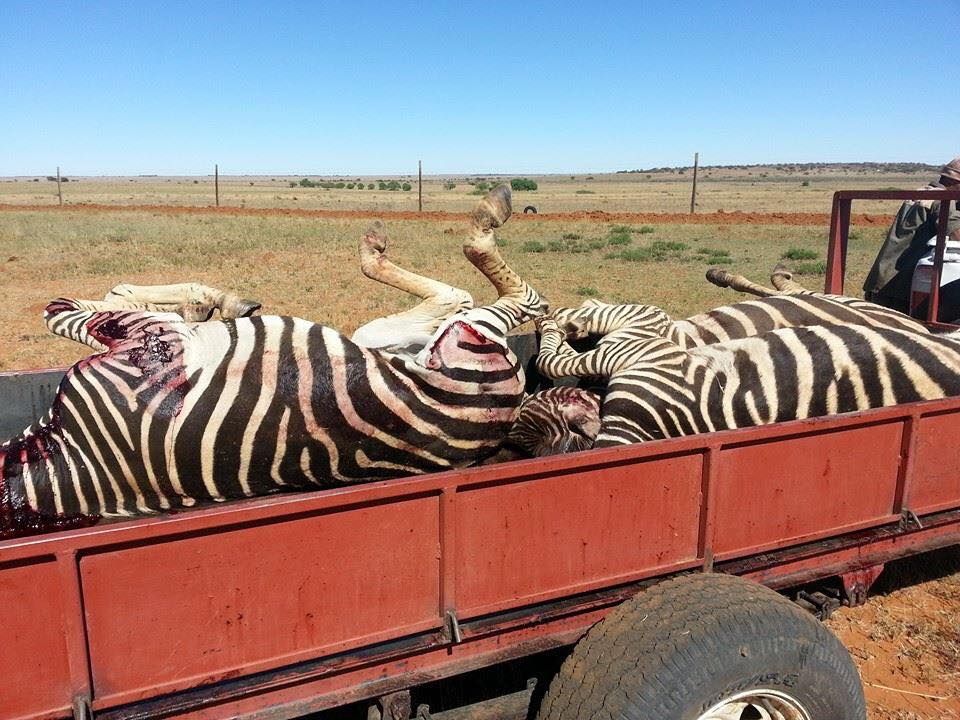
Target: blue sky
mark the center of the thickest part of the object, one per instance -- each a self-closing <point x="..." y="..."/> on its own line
<point x="369" y="87"/>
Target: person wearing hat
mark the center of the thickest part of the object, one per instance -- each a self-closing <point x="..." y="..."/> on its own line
<point x="888" y="282"/>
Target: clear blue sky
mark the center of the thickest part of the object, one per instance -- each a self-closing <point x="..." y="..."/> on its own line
<point x="347" y="86"/>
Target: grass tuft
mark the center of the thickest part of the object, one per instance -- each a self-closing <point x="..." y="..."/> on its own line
<point x="811" y="268"/>
<point x="796" y="253"/>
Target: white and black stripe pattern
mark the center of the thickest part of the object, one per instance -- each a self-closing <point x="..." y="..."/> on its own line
<point x="622" y="329"/>
<point x="782" y="375"/>
<point x="172" y="413"/>
<point x="555" y="421"/>
<point x="754" y="317"/>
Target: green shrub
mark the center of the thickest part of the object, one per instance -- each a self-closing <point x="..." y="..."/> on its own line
<point x="369" y="186"/>
<point x="381" y="185"/>
<point x="406" y="186"/>
<point x="523" y="184"/>
<point x="646" y="229"/>
<point x="811" y="268"/>
<point x="449" y="185"/>
<point x="805" y="183"/>
<point x="307" y="182"/>
<point x="619" y="239"/>
<point x="350" y="186"/>
<point x="658" y="251"/>
<point x="637" y="254"/>
<point x="571" y="236"/>
<point x="584" y="192"/>
<point x="713" y="253"/>
<point x="795" y="253"/>
<point x="340" y="185"/>
<point x="584" y="291"/>
<point x="555" y="246"/>
<point x="533" y="246"/>
<point x="669" y="246"/>
<point x="596" y="244"/>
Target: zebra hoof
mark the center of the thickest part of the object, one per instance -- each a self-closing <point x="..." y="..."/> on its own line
<point x="720" y="278"/>
<point x="494" y="209"/>
<point x="780" y="272"/>
<point x="374" y="239"/>
<point x="235" y="307"/>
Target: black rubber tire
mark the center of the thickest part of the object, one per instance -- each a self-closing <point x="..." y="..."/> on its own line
<point x="680" y="647"/>
<point x="529" y="209"/>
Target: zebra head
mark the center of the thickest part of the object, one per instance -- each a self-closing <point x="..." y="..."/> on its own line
<point x="555" y="421"/>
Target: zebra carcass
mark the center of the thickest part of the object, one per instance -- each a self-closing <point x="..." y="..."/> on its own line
<point x="174" y="413"/>
<point x="668" y="379"/>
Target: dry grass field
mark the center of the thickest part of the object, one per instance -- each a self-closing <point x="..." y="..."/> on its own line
<point x="756" y="189"/>
<point x="906" y="637"/>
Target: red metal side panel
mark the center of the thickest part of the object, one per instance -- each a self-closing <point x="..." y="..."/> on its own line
<point x="936" y="478"/>
<point x="529" y="541"/>
<point x="34" y="669"/>
<point x="168" y="616"/>
<point x="774" y="493"/>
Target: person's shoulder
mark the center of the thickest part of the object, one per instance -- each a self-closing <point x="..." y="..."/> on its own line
<point x="927" y="204"/>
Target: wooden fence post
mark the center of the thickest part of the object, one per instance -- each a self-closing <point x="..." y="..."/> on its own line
<point x="693" y="196"/>
<point x="59" y="191"/>
<point x="420" y="185"/>
<point x="216" y="183"/>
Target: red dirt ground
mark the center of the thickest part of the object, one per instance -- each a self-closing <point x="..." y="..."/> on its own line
<point x="714" y="218"/>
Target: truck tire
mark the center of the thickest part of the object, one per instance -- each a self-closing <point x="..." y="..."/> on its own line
<point x="707" y="647"/>
<point x="529" y="209"/>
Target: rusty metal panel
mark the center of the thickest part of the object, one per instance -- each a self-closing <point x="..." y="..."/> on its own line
<point x="167" y="616"/>
<point x="573" y="531"/>
<point x="779" y="492"/>
<point x="34" y="667"/>
<point x="936" y="476"/>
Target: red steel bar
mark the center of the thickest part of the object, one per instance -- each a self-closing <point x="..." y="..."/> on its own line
<point x="840" y="231"/>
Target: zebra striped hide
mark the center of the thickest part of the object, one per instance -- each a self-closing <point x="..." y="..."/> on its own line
<point x="175" y="413"/>
<point x="664" y="391"/>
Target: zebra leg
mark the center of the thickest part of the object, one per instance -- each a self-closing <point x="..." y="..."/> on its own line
<point x="439" y="300"/>
<point x="594" y="317"/>
<point x="516" y="302"/>
<point x="192" y="301"/>
<point x="782" y="280"/>
<point x="85" y="322"/>
<point x="556" y="359"/>
<point x="724" y="279"/>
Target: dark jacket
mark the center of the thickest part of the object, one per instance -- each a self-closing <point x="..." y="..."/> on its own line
<point x="888" y="282"/>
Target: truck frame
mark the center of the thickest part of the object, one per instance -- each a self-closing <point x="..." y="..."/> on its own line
<point x="286" y="605"/>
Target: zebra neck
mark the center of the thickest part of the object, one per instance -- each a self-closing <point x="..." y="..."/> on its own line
<point x="685" y="334"/>
<point x="33" y="471"/>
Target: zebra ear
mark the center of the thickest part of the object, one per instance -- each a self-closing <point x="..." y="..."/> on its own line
<point x="581" y="413"/>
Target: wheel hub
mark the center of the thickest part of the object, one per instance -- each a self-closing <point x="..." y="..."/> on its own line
<point x="759" y="704"/>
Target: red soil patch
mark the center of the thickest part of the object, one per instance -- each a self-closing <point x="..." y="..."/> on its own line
<point x="714" y="218"/>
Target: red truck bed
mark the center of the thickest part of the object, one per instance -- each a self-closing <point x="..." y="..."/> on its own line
<point x="281" y="606"/>
<point x="300" y="602"/>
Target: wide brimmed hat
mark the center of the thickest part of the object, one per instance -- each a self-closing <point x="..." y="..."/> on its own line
<point x="951" y="169"/>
